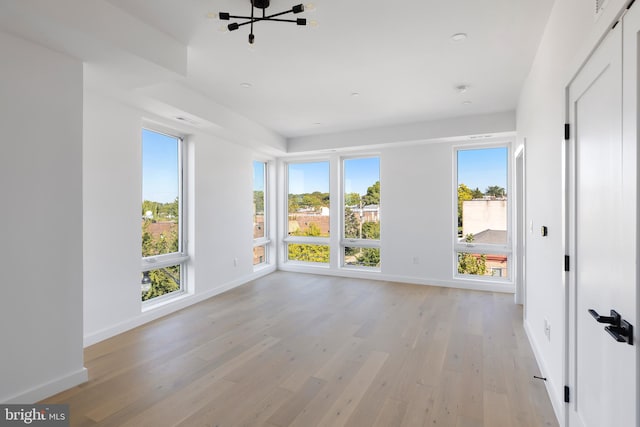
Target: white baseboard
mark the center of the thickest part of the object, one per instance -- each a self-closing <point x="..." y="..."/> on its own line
<point x="475" y="285"/>
<point x="171" y="306"/>
<point x="50" y="388"/>
<point x="556" y="402"/>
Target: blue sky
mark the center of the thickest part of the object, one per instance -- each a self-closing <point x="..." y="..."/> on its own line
<point x="258" y="176"/>
<point x="159" y="167"/>
<point x="476" y="168"/>
<point x="483" y="168"/>
<point x="360" y="174"/>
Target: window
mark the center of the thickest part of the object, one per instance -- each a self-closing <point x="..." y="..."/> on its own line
<point x="163" y="254"/>
<point x="260" y="234"/>
<point x="482" y="235"/>
<point x="308" y="212"/>
<point x="361" y="209"/>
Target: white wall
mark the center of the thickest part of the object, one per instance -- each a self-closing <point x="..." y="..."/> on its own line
<point x="41" y="182"/>
<point x="571" y="33"/>
<point x="220" y="216"/>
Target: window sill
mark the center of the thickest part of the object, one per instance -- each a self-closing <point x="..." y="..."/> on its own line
<point x="163" y="300"/>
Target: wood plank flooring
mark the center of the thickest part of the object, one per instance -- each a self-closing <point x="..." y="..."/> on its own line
<point x="303" y="350"/>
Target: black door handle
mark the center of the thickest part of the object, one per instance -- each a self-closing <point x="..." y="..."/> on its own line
<point x="614" y="319"/>
<point x="620" y="330"/>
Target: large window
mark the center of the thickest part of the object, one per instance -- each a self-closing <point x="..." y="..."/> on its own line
<point x="361" y="209"/>
<point x="260" y="234"/>
<point x="482" y="235"/>
<point x="308" y="212"/>
<point x="163" y="255"/>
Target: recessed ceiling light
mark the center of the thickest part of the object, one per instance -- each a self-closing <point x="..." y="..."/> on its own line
<point x="355" y="94"/>
<point x="317" y="124"/>
<point x="467" y="102"/>
<point x="458" y="37"/>
<point x="462" y="88"/>
<point x="246" y="85"/>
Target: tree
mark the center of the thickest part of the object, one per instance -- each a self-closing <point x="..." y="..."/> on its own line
<point x="258" y="201"/>
<point x="477" y="194"/>
<point x="464" y="193"/>
<point x="371" y="230"/>
<point x="163" y="281"/>
<point x="172" y="209"/>
<point x="472" y="263"/>
<point x="373" y="195"/>
<point x="352" y="199"/>
<point x="370" y="257"/>
<point x="309" y="253"/>
<point x="351" y="223"/>
<point x="495" y="191"/>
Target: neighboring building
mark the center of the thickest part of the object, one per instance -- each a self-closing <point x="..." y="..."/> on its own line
<point x="483" y="214"/>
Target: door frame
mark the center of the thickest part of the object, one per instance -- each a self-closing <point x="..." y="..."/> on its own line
<point x="630" y="132"/>
<point x="519" y="178"/>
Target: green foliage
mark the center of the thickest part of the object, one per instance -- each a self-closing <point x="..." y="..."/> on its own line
<point x="371" y="230"/>
<point x="313" y="230"/>
<point x="163" y="281"/>
<point x="370" y="257"/>
<point x="477" y="194"/>
<point x="352" y="199"/>
<point x="308" y="253"/>
<point x="258" y="201"/>
<point x="495" y="191"/>
<point x="464" y="193"/>
<point x="351" y="224"/>
<point x="472" y="264"/>
<point x="373" y="195"/>
<point x="314" y="200"/>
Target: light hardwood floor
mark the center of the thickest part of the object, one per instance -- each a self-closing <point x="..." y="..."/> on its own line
<point x="302" y="350"/>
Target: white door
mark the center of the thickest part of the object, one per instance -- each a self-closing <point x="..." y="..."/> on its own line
<point x="602" y="372"/>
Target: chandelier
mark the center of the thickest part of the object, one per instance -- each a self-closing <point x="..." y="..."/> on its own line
<point x="262" y="4"/>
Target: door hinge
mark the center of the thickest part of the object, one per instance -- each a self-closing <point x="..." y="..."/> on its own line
<point x="567" y="263"/>
<point x="566" y="394"/>
<point x="567" y="131"/>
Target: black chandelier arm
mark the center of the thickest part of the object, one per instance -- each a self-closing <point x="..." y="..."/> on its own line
<point x="251" y="21"/>
<point x="226" y="16"/>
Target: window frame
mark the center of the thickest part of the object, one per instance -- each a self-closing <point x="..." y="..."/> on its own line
<point x="346" y="242"/>
<point x="306" y="240"/>
<point x="460" y="246"/>
<point x="264" y="241"/>
<point x="180" y="257"/>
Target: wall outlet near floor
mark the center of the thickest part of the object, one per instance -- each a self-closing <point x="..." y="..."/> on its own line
<point x="547" y="329"/>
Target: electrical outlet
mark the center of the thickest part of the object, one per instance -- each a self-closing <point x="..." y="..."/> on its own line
<point x="416" y="260"/>
<point x="547" y="329"/>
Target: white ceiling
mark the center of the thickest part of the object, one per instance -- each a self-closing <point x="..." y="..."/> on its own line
<point x="397" y="55"/>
